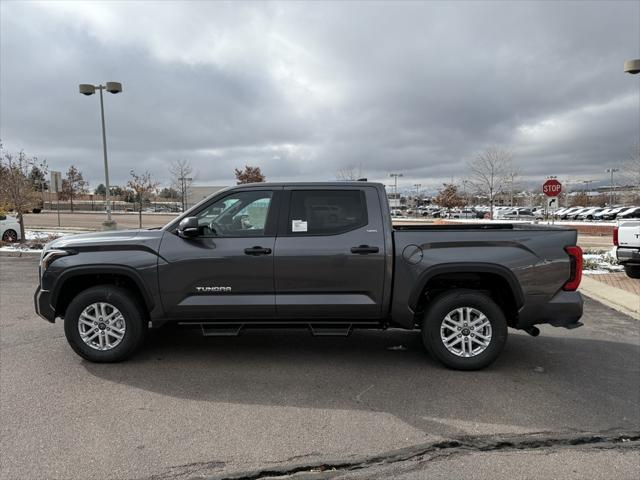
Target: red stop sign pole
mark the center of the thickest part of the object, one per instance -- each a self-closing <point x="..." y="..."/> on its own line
<point x="552" y="188"/>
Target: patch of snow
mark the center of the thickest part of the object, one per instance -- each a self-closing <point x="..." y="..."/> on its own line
<point x="17" y="248"/>
<point x="42" y="235"/>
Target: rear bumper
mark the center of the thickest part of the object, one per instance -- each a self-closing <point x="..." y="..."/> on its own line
<point x="563" y="310"/>
<point x="628" y="254"/>
<point x="42" y="303"/>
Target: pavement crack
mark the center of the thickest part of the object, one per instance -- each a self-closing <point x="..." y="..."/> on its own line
<point x="438" y="450"/>
<point x="188" y="470"/>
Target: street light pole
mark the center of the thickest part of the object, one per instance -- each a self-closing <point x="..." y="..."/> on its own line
<point x="106" y="164"/>
<point x="395" y="185"/>
<point x="88" y="89"/>
<point x="586" y="193"/>
<point x="417" y="185"/>
<point x="611" y="170"/>
<point x="464" y="192"/>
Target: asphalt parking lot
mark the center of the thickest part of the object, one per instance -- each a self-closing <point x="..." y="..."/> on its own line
<point x="563" y="405"/>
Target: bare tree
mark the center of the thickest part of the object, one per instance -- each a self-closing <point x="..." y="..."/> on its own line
<point x="73" y="185"/>
<point x="249" y="175"/>
<point x="181" y="179"/>
<point x="142" y="187"/>
<point x="17" y="190"/>
<point x="349" y="174"/>
<point x="490" y="172"/>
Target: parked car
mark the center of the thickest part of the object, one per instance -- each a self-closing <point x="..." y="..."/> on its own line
<point x="626" y="238"/>
<point x="9" y="229"/>
<point x="538" y="212"/>
<point x="589" y="213"/>
<point x="568" y="211"/>
<point x="574" y="215"/>
<point x="614" y="213"/>
<point x="606" y="211"/>
<point x="291" y="262"/>
<point x="633" y="212"/>
<point x="466" y="213"/>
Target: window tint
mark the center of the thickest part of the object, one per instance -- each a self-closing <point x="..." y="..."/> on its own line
<point x="326" y="212"/>
<point x="242" y="214"/>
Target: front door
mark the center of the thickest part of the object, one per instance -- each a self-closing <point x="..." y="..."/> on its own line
<point x="226" y="272"/>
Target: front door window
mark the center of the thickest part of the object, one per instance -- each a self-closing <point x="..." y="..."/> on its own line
<point x="242" y="214"/>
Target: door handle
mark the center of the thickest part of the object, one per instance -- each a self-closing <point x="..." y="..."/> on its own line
<point x="257" y="251"/>
<point x="364" y="249"/>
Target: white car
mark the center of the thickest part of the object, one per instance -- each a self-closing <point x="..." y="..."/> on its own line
<point x="589" y="213"/>
<point x="9" y="229"/>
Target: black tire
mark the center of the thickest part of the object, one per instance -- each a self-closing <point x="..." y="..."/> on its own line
<point x="9" y="236"/>
<point x="632" y="271"/>
<point x="448" y="302"/>
<point x="134" y="318"/>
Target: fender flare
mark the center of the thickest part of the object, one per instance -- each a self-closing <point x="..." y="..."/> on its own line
<point x="466" y="267"/>
<point x="123" y="270"/>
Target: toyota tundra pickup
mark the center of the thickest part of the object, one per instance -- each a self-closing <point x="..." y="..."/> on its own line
<point x="324" y="256"/>
<point x="626" y="238"/>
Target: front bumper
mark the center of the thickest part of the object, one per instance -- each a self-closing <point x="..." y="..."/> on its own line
<point x="42" y="302"/>
<point x="563" y="310"/>
<point x="628" y="254"/>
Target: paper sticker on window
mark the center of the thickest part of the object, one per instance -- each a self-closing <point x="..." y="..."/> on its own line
<point x="298" y="225"/>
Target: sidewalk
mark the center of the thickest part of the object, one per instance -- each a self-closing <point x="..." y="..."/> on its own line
<point x="614" y="290"/>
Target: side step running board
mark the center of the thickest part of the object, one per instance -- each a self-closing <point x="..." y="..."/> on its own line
<point x="213" y="329"/>
<point x="216" y="329"/>
<point x="330" y="331"/>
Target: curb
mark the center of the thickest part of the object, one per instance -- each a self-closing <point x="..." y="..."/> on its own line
<point x="616" y="298"/>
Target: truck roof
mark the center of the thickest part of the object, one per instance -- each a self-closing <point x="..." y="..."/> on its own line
<point x="310" y="184"/>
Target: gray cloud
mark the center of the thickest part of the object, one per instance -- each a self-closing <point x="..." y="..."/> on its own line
<point x="304" y="89"/>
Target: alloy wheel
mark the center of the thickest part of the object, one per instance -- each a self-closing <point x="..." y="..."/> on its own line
<point x="466" y="332"/>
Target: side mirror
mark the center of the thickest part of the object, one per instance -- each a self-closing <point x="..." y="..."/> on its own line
<point x="188" y="227"/>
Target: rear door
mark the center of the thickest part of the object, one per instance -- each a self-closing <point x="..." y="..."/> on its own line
<point x="226" y="272"/>
<point x="330" y="254"/>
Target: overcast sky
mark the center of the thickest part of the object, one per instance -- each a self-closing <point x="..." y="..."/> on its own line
<point x="305" y="89"/>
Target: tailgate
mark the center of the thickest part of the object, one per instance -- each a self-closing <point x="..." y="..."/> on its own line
<point x="629" y="234"/>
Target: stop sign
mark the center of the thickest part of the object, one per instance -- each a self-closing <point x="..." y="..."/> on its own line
<point x="552" y="188"/>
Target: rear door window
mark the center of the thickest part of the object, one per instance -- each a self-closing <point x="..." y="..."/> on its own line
<point x="326" y="212"/>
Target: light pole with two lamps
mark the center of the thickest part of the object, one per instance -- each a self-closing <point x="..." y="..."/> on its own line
<point x="395" y="183"/>
<point x="88" y="89"/>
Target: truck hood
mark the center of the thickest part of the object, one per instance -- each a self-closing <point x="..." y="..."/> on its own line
<point x="110" y="238"/>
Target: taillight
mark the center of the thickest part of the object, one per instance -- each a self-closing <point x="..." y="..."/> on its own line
<point x="615" y="236"/>
<point x="575" y="276"/>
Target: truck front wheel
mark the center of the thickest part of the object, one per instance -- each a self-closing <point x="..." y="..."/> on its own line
<point x="464" y="329"/>
<point x="104" y="324"/>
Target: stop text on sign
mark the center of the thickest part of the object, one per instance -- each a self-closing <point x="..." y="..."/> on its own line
<point x="552" y="188"/>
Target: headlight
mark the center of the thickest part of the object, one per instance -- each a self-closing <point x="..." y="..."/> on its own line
<point x="49" y="256"/>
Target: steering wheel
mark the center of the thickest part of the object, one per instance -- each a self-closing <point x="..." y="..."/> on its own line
<point x="217" y="228"/>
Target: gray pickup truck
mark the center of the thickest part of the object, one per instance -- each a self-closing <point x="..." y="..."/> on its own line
<point x="320" y="255"/>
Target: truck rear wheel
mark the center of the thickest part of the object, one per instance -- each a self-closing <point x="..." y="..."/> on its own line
<point x="464" y="329"/>
<point x="104" y="324"/>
